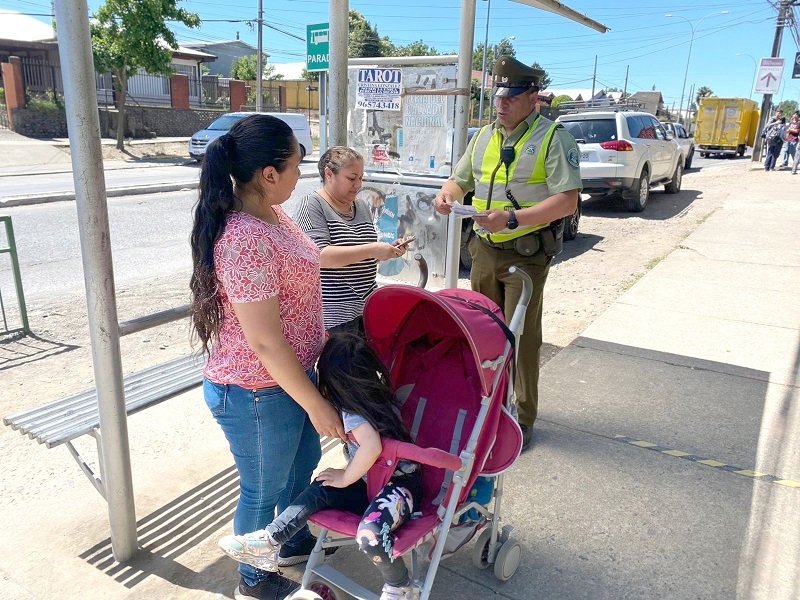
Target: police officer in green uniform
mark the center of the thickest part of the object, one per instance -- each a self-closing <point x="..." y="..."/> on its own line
<point x="523" y="169"/>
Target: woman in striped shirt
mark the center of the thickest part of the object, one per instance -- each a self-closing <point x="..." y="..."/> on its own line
<point x="342" y="227"/>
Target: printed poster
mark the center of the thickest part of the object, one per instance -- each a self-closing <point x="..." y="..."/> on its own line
<point x="417" y="139"/>
<point x="379" y="89"/>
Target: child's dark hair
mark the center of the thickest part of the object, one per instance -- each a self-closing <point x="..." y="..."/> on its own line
<point x="354" y="379"/>
<point x="255" y="142"/>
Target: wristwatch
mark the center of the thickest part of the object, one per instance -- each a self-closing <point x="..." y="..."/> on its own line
<point x="512" y="220"/>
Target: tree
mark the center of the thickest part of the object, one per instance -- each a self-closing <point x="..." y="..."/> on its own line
<point x="364" y="39"/>
<point x="703" y="92"/>
<point x="418" y="48"/>
<point x="556" y="102"/>
<point x="309" y="75"/>
<point x="504" y="48"/>
<point x="132" y="36"/>
<point x="245" y="68"/>
<point x="546" y="80"/>
<point x="788" y="107"/>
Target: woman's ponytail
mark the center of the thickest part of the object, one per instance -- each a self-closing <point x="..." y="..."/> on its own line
<point x="253" y="143"/>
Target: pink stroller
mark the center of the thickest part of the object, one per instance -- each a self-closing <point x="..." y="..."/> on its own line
<point x="450" y="356"/>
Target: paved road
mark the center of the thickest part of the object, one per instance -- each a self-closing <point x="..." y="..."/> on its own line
<point x="149" y="233"/>
<point x="58" y="179"/>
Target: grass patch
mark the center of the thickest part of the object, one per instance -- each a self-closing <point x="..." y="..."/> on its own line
<point x="648" y="267"/>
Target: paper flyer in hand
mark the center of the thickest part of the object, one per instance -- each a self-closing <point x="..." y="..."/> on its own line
<point x="466" y="210"/>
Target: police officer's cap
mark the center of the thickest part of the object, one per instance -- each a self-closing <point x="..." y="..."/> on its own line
<point x="512" y="77"/>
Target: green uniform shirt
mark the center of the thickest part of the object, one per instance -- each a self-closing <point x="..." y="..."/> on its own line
<point x="561" y="175"/>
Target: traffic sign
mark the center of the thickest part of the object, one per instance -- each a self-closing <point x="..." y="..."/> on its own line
<point x="317" y="47"/>
<point x="796" y="70"/>
<point x="770" y="73"/>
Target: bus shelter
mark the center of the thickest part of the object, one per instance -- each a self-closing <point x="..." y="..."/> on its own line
<point x="72" y="20"/>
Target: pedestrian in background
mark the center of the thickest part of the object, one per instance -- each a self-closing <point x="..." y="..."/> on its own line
<point x="342" y="226"/>
<point x="792" y="135"/>
<point x="522" y="205"/>
<point x="773" y="137"/>
<point x="257" y="312"/>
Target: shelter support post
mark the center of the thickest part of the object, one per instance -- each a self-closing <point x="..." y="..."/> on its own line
<point x="466" y="43"/>
<point x="83" y="124"/>
<point x="339" y="36"/>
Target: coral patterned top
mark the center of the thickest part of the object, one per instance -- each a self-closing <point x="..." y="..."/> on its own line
<point x="255" y="260"/>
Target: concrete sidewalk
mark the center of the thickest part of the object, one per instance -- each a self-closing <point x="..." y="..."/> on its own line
<point x="666" y="461"/>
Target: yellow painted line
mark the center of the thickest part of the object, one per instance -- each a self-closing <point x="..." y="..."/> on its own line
<point x="788" y="483"/>
<point x="677" y="453"/>
<point x="764" y="477"/>
<point x="711" y="463"/>
<point x="749" y="473"/>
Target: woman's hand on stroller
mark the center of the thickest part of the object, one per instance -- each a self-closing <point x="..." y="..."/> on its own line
<point x="333" y="477"/>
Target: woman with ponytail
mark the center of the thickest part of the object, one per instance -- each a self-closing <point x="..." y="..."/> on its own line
<point x="257" y="313"/>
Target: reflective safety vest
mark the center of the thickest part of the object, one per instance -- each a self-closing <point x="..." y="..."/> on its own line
<point x="526" y="174"/>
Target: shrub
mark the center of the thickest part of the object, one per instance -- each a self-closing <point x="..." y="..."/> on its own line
<point x="45" y="103"/>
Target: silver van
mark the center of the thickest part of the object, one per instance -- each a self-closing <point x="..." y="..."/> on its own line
<point x="201" y="139"/>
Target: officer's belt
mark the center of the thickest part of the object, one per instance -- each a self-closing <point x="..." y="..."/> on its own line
<point x="508" y="245"/>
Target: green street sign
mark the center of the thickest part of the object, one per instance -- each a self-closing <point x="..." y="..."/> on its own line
<point x="317" y="47"/>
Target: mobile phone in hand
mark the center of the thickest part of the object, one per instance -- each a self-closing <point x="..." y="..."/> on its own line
<point x="406" y="241"/>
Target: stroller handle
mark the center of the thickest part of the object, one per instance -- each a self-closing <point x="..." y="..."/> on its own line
<point x="527" y="291"/>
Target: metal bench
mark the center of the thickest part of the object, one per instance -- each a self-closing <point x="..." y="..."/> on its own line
<point x="63" y="420"/>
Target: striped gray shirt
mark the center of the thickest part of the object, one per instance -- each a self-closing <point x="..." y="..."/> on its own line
<point x="344" y="289"/>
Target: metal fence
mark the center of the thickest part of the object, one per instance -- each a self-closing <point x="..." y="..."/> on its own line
<point x="143" y="89"/>
<point x="270" y="96"/>
<point x="41" y="77"/>
<point x="9" y="276"/>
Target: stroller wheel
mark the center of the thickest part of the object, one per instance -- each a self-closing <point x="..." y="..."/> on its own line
<point x="318" y="590"/>
<point x="507" y="559"/>
<point x="305" y="595"/>
<point x="480" y="552"/>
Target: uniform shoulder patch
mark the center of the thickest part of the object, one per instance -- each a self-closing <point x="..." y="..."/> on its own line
<point x="573" y="157"/>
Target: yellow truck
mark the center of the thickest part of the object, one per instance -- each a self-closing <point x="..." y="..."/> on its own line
<point x="725" y="126"/>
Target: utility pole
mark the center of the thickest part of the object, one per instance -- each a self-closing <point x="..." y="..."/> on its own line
<point x="766" y="104"/>
<point x="594" y="78"/>
<point x="625" y="87"/>
<point x="260" y="55"/>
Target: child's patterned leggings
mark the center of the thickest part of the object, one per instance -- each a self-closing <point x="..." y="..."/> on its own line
<point x="391" y="508"/>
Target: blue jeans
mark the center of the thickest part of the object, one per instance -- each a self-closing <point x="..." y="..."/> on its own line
<point x="276" y="450"/>
<point x="791" y="148"/>
<point x="773" y="152"/>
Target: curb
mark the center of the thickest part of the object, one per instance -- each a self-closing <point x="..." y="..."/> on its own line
<point x="68" y="168"/>
<point x="110" y="193"/>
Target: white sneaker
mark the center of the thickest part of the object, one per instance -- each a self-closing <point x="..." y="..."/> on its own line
<point x="256" y="549"/>
<point x="390" y="592"/>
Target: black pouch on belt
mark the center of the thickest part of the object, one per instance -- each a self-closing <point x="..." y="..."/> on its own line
<point x="527" y="245"/>
<point x="553" y="238"/>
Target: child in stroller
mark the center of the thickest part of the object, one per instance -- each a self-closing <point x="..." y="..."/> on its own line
<point x="353" y="378"/>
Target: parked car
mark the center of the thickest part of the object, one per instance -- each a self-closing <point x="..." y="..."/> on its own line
<point x="201" y="139"/>
<point x="684" y="140"/>
<point x="570" y="225"/>
<point x="627" y="152"/>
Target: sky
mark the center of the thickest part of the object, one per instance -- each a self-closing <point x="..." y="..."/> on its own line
<point x="651" y="48"/>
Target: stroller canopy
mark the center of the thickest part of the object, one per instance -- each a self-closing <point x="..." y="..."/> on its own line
<point x="397" y="315"/>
